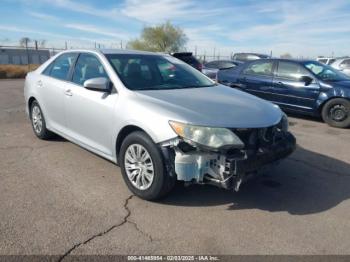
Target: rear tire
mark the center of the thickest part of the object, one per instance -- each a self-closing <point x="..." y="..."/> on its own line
<point x="336" y="113"/>
<point x="38" y="122"/>
<point x="142" y="167"/>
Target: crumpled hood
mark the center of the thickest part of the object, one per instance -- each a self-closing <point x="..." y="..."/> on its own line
<point x="218" y="106"/>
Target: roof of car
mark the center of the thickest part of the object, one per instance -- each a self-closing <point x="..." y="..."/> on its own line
<point x="125" y="51"/>
<point x="257" y="54"/>
<point x="283" y="60"/>
<point x="113" y="51"/>
<point x="230" y="61"/>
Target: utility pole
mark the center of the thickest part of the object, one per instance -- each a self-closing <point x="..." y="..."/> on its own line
<point x="27" y="51"/>
<point x="65" y="44"/>
<point x="214" y="54"/>
<point x="195" y="51"/>
<point x="36" y="44"/>
<point x="121" y="44"/>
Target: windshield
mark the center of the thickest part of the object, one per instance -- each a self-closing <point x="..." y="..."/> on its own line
<point x="325" y="72"/>
<point x="156" y="72"/>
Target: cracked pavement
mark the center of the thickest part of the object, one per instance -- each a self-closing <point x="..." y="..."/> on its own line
<point x="59" y="199"/>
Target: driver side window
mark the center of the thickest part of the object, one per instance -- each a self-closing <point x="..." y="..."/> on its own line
<point x="88" y="67"/>
<point x="291" y="71"/>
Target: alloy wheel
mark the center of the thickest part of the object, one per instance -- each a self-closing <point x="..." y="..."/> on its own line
<point x="37" y="119"/>
<point x="139" y="166"/>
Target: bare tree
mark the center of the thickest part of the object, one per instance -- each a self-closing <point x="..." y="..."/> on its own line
<point x="24" y="41"/>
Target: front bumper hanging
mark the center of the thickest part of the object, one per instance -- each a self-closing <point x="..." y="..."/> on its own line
<point x="224" y="169"/>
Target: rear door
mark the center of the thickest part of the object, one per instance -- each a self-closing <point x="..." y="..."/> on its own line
<point x="90" y="114"/>
<point x="256" y="78"/>
<point x="292" y="90"/>
<point x="51" y="84"/>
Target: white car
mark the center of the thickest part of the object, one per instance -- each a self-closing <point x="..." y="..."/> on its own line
<point x="342" y="64"/>
<point x="325" y="60"/>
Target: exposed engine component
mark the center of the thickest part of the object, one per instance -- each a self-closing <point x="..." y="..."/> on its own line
<point x="230" y="167"/>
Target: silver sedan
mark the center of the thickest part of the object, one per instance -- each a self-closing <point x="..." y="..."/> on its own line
<point x="156" y="117"/>
<point x="342" y="64"/>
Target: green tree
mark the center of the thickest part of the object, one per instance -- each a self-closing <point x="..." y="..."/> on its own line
<point x="161" y="38"/>
<point x="286" y="56"/>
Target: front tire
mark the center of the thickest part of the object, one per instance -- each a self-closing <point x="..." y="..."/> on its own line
<point x="142" y="167"/>
<point x="38" y="122"/>
<point x="336" y="113"/>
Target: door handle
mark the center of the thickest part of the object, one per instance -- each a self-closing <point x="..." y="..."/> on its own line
<point x="279" y="84"/>
<point x="68" y="92"/>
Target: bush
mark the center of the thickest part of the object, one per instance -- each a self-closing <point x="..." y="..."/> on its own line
<point x="2" y="74"/>
<point x="15" y="71"/>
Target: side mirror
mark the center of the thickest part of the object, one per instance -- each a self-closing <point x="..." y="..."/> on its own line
<point x="306" y="79"/>
<point x="98" y="84"/>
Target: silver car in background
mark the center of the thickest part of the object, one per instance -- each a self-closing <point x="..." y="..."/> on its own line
<point x="212" y="68"/>
<point x="342" y="64"/>
<point x="156" y="117"/>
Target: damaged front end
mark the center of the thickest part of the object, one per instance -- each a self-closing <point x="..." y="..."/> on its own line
<point x="228" y="166"/>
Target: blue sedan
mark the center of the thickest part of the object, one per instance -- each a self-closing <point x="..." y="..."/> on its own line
<point x="307" y="87"/>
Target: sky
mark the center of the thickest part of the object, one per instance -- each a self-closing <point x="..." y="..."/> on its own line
<point x="299" y="27"/>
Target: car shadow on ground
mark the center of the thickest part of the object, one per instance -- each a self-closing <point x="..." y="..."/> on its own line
<point x="316" y="119"/>
<point x="57" y="138"/>
<point x="304" y="183"/>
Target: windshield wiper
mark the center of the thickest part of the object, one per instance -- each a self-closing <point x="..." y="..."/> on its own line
<point x="171" y="87"/>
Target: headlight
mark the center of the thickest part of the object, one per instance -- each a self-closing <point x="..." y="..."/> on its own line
<point x="284" y="123"/>
<point x="213" y="137"/>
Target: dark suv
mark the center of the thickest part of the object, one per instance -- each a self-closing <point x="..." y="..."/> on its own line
<point x="309" y="87"/>
<point x="188" y="58"/>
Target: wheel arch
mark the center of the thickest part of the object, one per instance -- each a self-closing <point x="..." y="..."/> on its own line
<point x="29" y="105"/>
<point x="124" y="132"/>
<point x="322" y="104"/>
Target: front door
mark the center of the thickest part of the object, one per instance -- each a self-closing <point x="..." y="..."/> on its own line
<point x="297" y="94"/>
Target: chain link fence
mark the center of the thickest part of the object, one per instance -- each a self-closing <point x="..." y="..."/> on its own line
<point x="18" y="55"/>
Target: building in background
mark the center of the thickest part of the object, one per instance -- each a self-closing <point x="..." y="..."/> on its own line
<point x="22" y="56"/>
